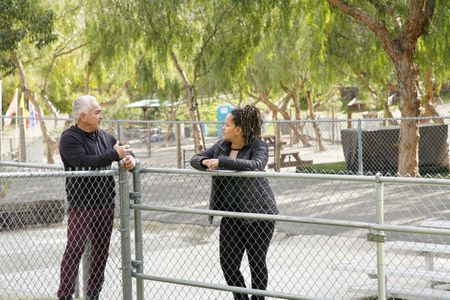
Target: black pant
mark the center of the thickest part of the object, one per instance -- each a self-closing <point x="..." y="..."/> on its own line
<point x="237" y="236"/>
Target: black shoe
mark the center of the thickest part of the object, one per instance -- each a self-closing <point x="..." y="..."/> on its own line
<point x="65" y="298"/>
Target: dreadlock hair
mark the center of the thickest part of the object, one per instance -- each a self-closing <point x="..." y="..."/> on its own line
<point x="249" y="119"/>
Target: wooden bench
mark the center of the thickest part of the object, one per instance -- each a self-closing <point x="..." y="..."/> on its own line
<point x="268" y="138"/>
<point x="270" y="141"/>
<point x="290" y="158"/>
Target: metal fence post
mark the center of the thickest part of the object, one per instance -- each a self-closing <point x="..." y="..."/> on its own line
<point x="125" y="234"/>
<point x="381" y="277"/>
<point x="277" y="147"/>
<point x="178" y="141"/>
<point x="149" y="139"/>
<point x="119" y="133"/>
<point x="22" y="142"/>
<point x="360" y="151"/>
<point x="139" y="253"/>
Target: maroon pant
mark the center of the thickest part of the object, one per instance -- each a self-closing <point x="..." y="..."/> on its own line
<point x="85" y="224"/>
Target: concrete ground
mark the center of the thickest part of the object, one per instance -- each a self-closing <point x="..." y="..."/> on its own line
<point x="301" y="265"/>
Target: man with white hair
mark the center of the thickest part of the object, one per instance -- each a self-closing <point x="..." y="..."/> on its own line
<point x="84" y="146"/>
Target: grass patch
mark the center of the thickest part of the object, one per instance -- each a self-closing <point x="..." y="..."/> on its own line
<point x="339" y="167"/>
<point x="439" y="175"/>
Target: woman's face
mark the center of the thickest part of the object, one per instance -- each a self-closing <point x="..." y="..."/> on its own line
<point x="230" y="130"/>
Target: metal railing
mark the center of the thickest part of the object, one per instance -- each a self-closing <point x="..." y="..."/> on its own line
<point x="376" y="231"/>
<point x="333" y="234"/>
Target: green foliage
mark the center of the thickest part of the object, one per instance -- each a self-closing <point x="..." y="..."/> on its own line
<point x="434" y="45"/>
<point x="122" y="49"/>
<point x="23" y="21"/>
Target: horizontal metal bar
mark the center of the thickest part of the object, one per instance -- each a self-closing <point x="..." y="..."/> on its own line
<point x="223" y="287"/>
<point x="351" y="178"/>
<point x="292" y="219"/>
<point x="31" y="165"/>
<point x="225" y="173"/>
<point x="59" y="174"/>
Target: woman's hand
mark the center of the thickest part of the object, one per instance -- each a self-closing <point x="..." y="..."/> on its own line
<point x="211" y="164"/>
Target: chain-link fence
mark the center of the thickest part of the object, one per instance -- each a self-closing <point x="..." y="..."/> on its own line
<point x="326" y="245"/>
<point x="33" y="232"/>
<point x="335" y="236"/>
<point x="362" y="146"/>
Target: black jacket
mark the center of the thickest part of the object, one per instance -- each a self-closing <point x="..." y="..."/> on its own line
<point x="239" y="194"/>
<point x="81" y="150"/>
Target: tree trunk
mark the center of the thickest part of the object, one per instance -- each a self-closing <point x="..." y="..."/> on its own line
<point x="428" y="103"/>
<point x="196" y="130"/>
<point x="312" y="116"/>
<point x="408" y="84"/>
<point x="387" y="114"/>
<point x="275" y="109"/>
<point x="192" y="105"/>
<point x="296" y="129"/>
<point x="51" y="144"/>
<point x="400" y="46"/>
<point x="87" y="79"/>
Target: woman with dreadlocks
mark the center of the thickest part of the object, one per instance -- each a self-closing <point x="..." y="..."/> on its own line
<point x="241" y="149"/>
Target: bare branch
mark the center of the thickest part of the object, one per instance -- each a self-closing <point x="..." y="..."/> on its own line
<point x="420" y="14"/>
<point x="208" y="39"/>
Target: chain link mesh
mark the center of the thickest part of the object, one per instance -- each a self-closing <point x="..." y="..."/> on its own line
<point x="33" y="233"/>
<point x="316" y="261"/>
<point x="336" y="146"/>
<point x="326" y="262"/>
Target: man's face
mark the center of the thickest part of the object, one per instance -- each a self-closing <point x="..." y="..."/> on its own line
<point x="92" y="117"/>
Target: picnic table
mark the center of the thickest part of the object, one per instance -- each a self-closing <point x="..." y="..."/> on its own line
<point x="290" y="158"/>
<point x="271" y="142"/>
<point x="269" y="139"/>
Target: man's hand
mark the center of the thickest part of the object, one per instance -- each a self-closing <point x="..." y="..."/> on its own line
<point x="122" y="150"/>
<point x="128" y="162"/>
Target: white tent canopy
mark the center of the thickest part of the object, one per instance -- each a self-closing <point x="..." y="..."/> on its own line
<point x="148" y="103"/>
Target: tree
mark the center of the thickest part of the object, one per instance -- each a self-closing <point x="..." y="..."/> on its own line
<point x="24" y="24"/>
<point x="433" y="59"/>
<point x="195" y="39"/>
<point x="23" y="21"/>
<point x="398" y="27"/>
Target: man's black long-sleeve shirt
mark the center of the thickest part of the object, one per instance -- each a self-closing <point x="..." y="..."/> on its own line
<point x="95" y="151"/>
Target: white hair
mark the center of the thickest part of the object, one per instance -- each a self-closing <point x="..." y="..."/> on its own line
<point x="81" y="104"/>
